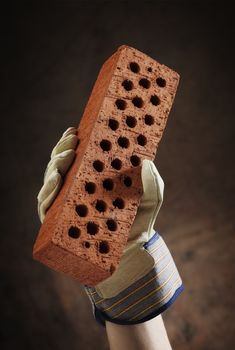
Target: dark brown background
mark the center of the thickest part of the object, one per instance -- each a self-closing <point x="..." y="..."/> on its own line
<point x="50" y="57"/>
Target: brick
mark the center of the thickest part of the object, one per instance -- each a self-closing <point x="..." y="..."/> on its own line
<point x="86" y="228"/>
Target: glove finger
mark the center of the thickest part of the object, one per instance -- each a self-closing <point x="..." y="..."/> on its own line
<point x="48" y="193"/>
<point x="150" y="203"/>
<point x="65" y="143"/>
<point x="153" y="184"/>
<point x="48" y="186"/>
<point x="61" y="161"/>
<point x="70" y="131"/>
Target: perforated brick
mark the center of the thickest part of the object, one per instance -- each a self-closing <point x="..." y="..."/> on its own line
<point x="86" y="229"/>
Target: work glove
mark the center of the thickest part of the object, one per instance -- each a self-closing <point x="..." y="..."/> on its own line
<point x="62" y="156"/>
<point x="146" y="281"/>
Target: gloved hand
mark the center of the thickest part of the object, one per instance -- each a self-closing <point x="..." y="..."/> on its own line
<point x="146" y="281"/>
<point x="62" y="156"/>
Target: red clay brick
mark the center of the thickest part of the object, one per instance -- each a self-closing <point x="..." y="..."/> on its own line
<point x="119" y="112"/>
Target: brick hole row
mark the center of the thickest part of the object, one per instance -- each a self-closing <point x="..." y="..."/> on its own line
<point x="108" y="184"/>
<point x="130" y="121"/>
<point x="137" y="102"/>
<point x="92" y="228"/>
<point x="135" y="68"/>
<point x="116" y="163"/>
<point x="100" y="206"/>
<point x="145" y="83"/>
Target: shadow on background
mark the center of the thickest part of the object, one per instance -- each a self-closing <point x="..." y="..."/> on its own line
<point x="51" y="57"/>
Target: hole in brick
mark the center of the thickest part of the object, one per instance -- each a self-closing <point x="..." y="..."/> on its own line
<point x="145" y="83"/>
<point x="90" y="187"/>
<point x="87" y="244"/>
<point x="92" y="228"/>
<point x="74" y="232"/>
<point x="121" y="104"/>
<point x="111" y="224"/>
<point x="123" y="142"/>
<point x="82" y="210"/>
<point x="135" y="160"/>
<point x="155" y="100"/>
<point x="127" y="84"/>
<point x="108" y="184"/>
<point x="119" y="203"/>
<point x="113" y="124"/>
<point x="78" y="142"/>
<point x="137" y="102"/>
<point x="98" y="165"/>
<point x="101" y="206"/>
<point x="134" y="67"/>
<point x="131" y="121"/>
<point x="116" y="164"/>
<point x="148" y="119"/>
<point x="105" y="145"/>
<point x="161" y="82"/>
<point x="149" y="69"/>
<point x="142" y="140"/>
<point x="103" y="247"/>
<point x="127" y="181"/>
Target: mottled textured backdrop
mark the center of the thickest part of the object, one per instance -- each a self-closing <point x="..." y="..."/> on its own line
<point x="50" y="57"/>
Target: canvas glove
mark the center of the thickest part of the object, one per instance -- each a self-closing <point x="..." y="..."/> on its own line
<point x="146" y="281"/>
<point x="62" y="156"/>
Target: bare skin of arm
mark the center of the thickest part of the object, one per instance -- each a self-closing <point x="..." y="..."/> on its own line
<point x="149" y="335"/>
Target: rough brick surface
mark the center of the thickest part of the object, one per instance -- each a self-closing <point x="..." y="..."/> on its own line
<point x="86" y="228"/>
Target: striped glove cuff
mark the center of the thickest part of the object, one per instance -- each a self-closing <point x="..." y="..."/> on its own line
<point x="147" y="297"/>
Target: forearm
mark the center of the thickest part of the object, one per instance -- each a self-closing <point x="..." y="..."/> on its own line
<point x="150" y="335"/>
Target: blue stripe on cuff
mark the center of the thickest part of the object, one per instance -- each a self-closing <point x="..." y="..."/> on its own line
<point x="153" y="239"/>
<point x="102" y="317"/>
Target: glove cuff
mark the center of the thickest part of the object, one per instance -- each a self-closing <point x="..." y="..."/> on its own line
<point x="146" y="298"/>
